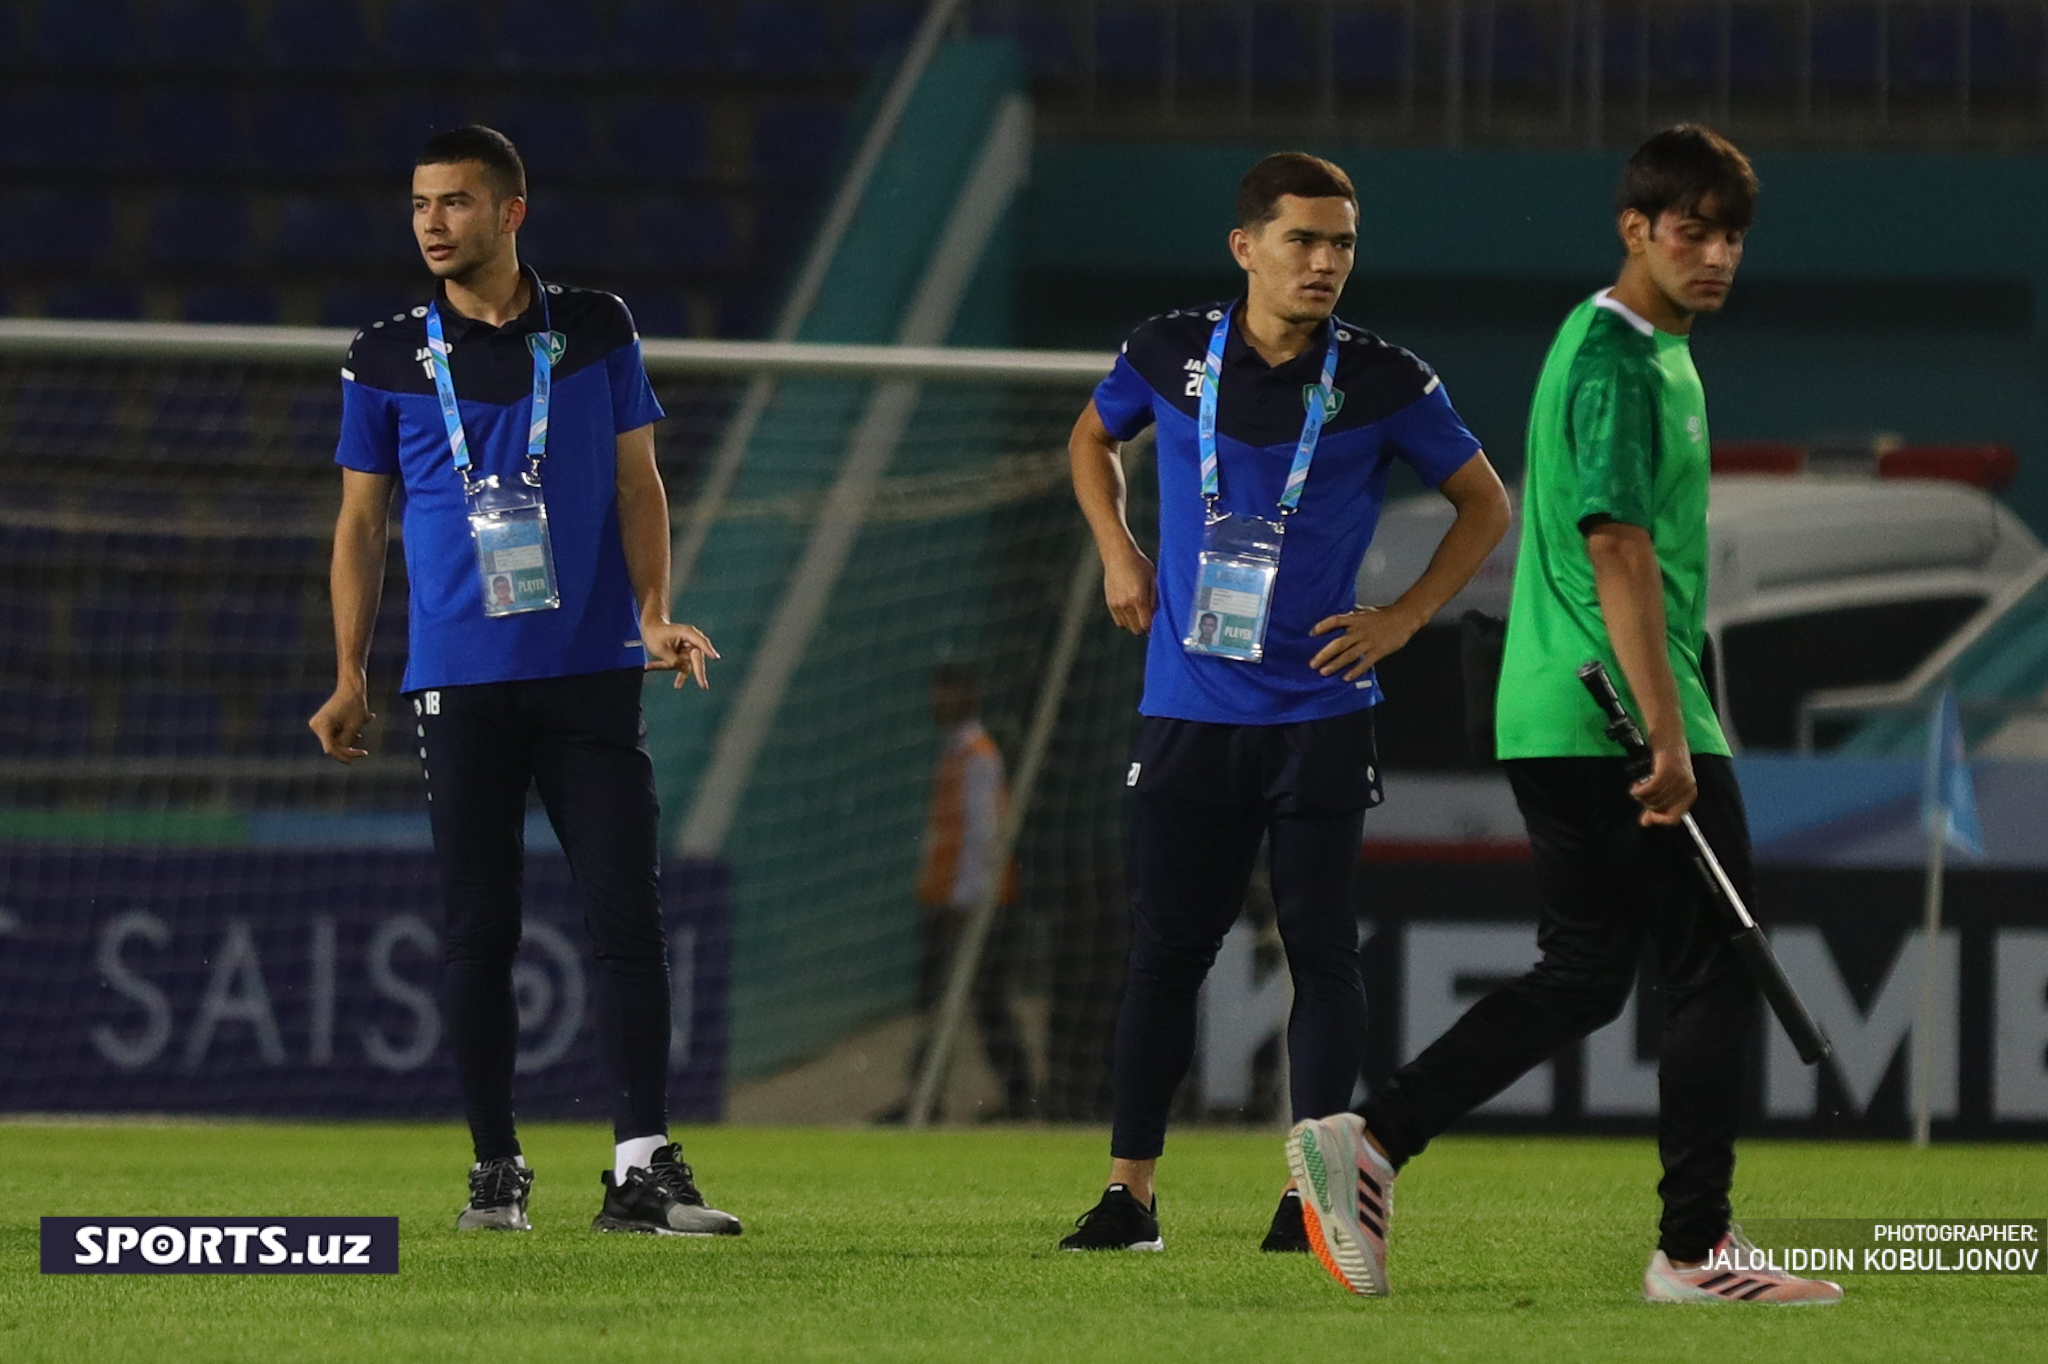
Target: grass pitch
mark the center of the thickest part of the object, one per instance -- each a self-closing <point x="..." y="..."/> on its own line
<point x="872" y="1245"/>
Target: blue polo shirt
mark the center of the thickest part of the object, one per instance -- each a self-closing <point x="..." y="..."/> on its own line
<point x="391" y="424"/>
<point x="1390" y="406"/>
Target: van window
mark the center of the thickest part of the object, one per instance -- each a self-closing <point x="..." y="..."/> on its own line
<point x="1774" y="664"/>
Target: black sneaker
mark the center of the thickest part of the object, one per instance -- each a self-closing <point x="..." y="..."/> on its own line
<point x="661" y="1199"/>
<point x="1289" y="1234"/>
<point x="1118" y="1222"/>
<point x="497" y="1197"/>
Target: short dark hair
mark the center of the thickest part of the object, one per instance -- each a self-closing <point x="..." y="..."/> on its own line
<point x="1284" y="173"/>
<point x="1682" y="167"/>
<point x="503" y="170"/>
<point x="956" y="676"/>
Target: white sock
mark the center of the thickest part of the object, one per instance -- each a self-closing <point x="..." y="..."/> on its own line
<point x="520" y="1161"/>
<point x="634" y="1153"/>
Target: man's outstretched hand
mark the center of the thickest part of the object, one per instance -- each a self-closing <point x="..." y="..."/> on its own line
<point x="678" y="649"/>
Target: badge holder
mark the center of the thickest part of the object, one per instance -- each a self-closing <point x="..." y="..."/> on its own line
<point x="1234" y="577"/>
<point x="515" y="561"/>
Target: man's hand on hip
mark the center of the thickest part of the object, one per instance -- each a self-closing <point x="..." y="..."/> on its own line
<point x="678" y="649"/>
<point x="1370" y="633"/>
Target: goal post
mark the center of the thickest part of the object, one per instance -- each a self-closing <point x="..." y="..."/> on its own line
<point x="167" y="495"/>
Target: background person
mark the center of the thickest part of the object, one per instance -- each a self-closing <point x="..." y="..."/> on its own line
<point x="1612" y="565"/>
<point x="961" y="859"/>
<point x="544" y="698"/>
<point x="1230" y="752"/>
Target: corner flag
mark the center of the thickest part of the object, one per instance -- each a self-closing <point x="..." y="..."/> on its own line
<point x="1948" y="802"/>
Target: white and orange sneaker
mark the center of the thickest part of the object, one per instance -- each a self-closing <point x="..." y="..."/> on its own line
<point x="1735" y="1271"/>
<point x="1347" y="1199"/>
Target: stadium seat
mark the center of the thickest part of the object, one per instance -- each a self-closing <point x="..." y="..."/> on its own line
<point x="1686" y="51"/>
<point x="553" y="137"/>
<point x="781" y="38"/>
<point x="280" y="724"/>
<point x="297" y="132"/>
<point x="661" y="140"/>
<point x="1130" y="43"/>
<point x="192" y="130"/>
<point x="312" y="418"/>
<point x="548" y="36"/>
<point x="1281" y="53"/>
<point x="94" y="302"/>
<point x="573" y="239"/>
<point x="658" y="313"/>
<point x="62" y="421"/>
<point x="665" y="35"/>
<point x="798" y="142"/>
<point x="61" y="129"/>
<point x="1524" y="53"/>
<point x="1046" y="37"/>
<point x="685" y="234"/>
<point x="332" y="232"/>
<point x="882" y="30"/>
<point x="1368" y="48"/>
<point x="45" y="722"/>
<point x="187" y="230"/>
<point x="86" y="35"/>
<point x="198" y="426"/>
<point x="162" y="722"/>
<point x="198" y="35"/>
<point x="1926" y="52"/>
<point x="1212" y="44"/>
<point x="25" y="643"/>
<point x="134" y="625"/>
<point x="1627" y="44"/>
<point x="433" y="35"/>
<point x="745" y="312"/>
<point x="404" y="123"/>
<point x="2005" y="50"/>
<point x="355" y="308"/>
<point x="259" y="633"/>
<point x="317" y="35"/>
<point x="51" y="229"/>
<point x="1845" y="50"/>
<point x="246" y="304"/>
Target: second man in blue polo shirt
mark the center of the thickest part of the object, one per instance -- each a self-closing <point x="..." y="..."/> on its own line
<point x="1277" y="426"/>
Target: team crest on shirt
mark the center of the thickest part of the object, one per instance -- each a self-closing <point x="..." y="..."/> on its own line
<point x="554" y="343"/>
<point x="1696" y="427"/>
<point x="1333" y="403"/>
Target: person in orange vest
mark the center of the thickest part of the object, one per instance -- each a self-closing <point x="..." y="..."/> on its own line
<point x="961" y="858"/>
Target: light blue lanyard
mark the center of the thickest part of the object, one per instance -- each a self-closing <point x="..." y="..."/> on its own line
<point x="543" y="382"/>
<point x="1311" y="426"/>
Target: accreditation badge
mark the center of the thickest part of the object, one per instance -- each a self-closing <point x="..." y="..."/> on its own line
<point x="515" y="562"/>
<point x="1234" y="576"/>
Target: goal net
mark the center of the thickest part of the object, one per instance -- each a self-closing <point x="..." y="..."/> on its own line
<point x="200" y="912"/>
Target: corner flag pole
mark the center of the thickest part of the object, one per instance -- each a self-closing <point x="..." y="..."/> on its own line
<point x="1930" y="934"/>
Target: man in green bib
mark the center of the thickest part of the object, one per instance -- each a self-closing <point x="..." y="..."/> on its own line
<point x="1612" y="566"/>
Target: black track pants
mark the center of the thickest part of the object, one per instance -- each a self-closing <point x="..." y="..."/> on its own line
<point x="1606" y="882"/>
<point x="579" y="740"/>
<point x="1202" y="797"/>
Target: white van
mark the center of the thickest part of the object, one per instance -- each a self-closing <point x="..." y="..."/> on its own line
<point x="1816" y="581"/>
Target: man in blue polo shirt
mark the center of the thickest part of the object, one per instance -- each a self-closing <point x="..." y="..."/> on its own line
<point x="520" y="420"/>
<point x="1278" y="424"/>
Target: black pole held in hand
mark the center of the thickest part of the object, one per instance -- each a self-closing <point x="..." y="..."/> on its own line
<point x="1750" y="943"/>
